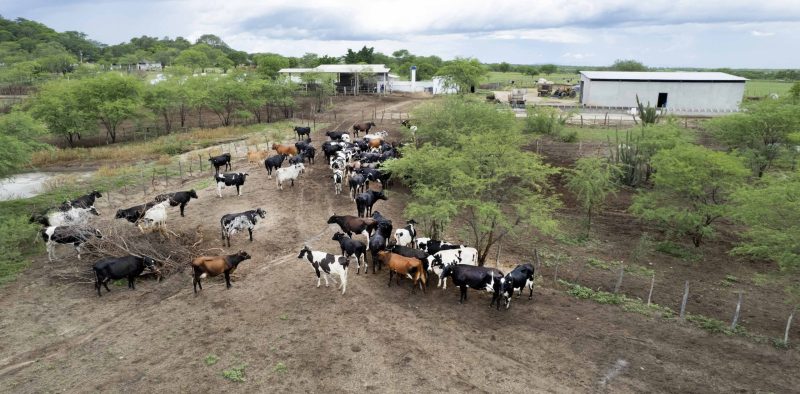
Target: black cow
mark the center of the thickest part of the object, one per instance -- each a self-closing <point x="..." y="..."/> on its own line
<point x="235" y="222"/>
<point x="272" y="163"/>
<point x="351" y="247"/>
<point x="309" y="154"/>
<point x="371" y="157"/>
<point x="230" y="179"/>
<point x="297" y="159"/>
<point x="371" y="174"/>
<point x="411" y="252"/>
<point x="518" y="279"/>
<point x="121" y="267"/>
<point x="376" y="243"/>
<point x="478" y="278"/>
<point x="356" y="183"/>
<point x="221" y="160"/>
<point x="384" y="225"/>
<point x="330" y="148"/>
<point x="85" y="201"/>
<point x="336" y="135"/>
<point x="433" y="246"/>
<point x="301" y="131"/>
<point x="366" y="200"/>
<point x="65" y="235"/>
<point x="133" y="214"/>
<point x="302" y="146"/>
<point x="177" y="198"/>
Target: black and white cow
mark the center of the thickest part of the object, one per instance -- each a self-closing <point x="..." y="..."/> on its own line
<point x="439" y="260"/>
<point x="478" y="278"/>
<point x="223" y="160"/>
<point x="177" y="198"/>
<point x="273" y="163"/>
<point x="518" y="279"/>
<point x="230" y="179"/>
<point x="433" y="246"/>
<point x="113" y="268"/>
<point x="338" y="177"/>
<point x="407" y="235"/>
<point x="74" y="235"/>
<point x="351" y="247"/>
<point x="235" y="222"/>
<point x="326" y="263"/>
<point x="133" y="214"/>
<point x="74" y="216"/>
<point x="301" y="131"/>
<point x="366" y="200"/>
<point x="86" y="200"/>
<point x="330" y="148"/>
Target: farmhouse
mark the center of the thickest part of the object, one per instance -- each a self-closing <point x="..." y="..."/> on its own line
<point x="676" y="92"/>
<point x="350" y="78"/>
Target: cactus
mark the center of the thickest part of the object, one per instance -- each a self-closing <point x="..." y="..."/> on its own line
<point x="648" y="114"/>
<point x="632" y="161"/>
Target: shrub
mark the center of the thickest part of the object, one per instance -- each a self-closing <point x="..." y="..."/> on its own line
<point x="545" y="120"/>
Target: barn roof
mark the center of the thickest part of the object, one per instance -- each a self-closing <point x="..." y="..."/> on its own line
<point x="339" y="68"/>
<point x="662" y="76"/>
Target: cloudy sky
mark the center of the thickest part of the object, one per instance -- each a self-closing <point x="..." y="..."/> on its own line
<point x="690" y="33"/>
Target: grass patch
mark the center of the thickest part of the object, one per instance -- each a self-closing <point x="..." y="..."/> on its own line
<point x="283" y="317"/>
<point x="762" y="88"/>
<point x="728" y="281"/>
<point x="760" y="279"/>
<point x="211" y="359"/>
<point x="280" y="368"/>
<point x="527" y="81"/>
<point x="235" y="373"/>
<point x="672" y="249"/>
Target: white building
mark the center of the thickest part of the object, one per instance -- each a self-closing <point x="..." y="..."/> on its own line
<point x="350" y="78"/>
<point x="676" y="92"/>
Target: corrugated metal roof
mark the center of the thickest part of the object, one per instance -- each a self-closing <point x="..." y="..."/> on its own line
<point x="340" y="68"/>
<point x="661" y="76"/>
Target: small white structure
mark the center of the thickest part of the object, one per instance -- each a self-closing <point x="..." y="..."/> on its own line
<point x="350" y="78"/>
<point x="675" y="92"/>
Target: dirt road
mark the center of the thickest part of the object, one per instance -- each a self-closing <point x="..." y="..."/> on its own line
<point x="293" y="337"/>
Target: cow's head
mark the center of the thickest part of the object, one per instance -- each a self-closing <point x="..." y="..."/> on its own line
<point x="192" y="194"/>
<point x="93" y="211"/>
<point x="120" y="214"/>
<point x="381" y="195"/>
<point x="150" y="264"/>
<point x="435" y="260"/>
<point x="97" y="233"/>
<point x="411" y="221"/>
<point x="242" y="256"/>
<point x="96" y="194"/>
<point x="338" y="236"/>
<point x="304" y="251"/>
<point x="300" y="166"/>
<point x="262" y="213"/>
<point x="447" y="270"/>
<point x="507" y="289"/>
<point x="333" y="219"/>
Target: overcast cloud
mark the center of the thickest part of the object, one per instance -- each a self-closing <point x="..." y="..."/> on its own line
<point x="699" y="33"/>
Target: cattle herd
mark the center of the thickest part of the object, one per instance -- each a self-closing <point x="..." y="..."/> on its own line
<point x="353" y="161"/>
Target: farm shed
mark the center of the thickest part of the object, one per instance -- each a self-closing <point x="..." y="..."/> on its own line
<point x="350" y="78"/>
<point x="675" y="92"/>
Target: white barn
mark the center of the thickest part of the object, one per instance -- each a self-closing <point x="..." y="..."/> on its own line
<point x="678" y="92"/>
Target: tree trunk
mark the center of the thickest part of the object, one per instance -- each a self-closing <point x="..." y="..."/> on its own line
<point x="200" y="116"/>
<point x="167" y="123"/>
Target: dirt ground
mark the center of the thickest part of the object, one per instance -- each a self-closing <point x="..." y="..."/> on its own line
<point x="294" y="337"/>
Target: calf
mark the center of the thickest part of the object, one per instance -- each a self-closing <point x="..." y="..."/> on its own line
<point x="351" y="247"/>
<point x="256" y="156"/>
<point x="478" y="278"/>
<point x="74" y="216"/>
<point x="301" y="131"/>
<point x="64" y="235"/>
<point x="289" y="174"/>
<point x="366" y="200"/>
<point x="519" y="278"/>
<point x="223" y="160"/>
<point x="235" y="222"/>
<point x="214" y="265"/>
<point x="272" y="163"/>
<point x="442" y="258"/>
<point x="309" y="154"/>
<point x="330" y="148"/>
<point x="177" y="198"/>
<point x="154" y="217"/>
<point x="404" y="266"/>
<point x="407" y="235"/>
<point x="230" y="179"/>
<point x="328" y="264"/>
<point x="337" y="181"/>
<point x="411" y="252"/>
<point x="351" y="224"/>
<point x="85" y="201"/>
<point x="133" y="214"/>
<point x="115" y="268"/>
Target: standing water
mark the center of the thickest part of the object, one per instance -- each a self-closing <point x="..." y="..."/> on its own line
<point x="25" y="185"/>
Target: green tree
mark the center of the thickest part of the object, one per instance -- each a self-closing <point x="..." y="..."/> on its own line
<point x="627" y="65"/>
<point x="193" y="59"/>
<point x="548" y="69"/>
<point x="227" y="96"/>
<point x="198" y="94"/>
<point x="481" y="176"/>
<point x="771" y="211"/>
<point x="162" y="98"/>
<point x="760" y="135"/>
<point x="691" y="189"/>
<point x="110" y="98"/>
<point x="18" y="140"/>
<point x="794" y="92"/>
<point x="462" y="74"/>
<point x="592" y="180"/>
<point x="504" y="67"/>
<point x="364" y="55"/>
<point x="57" y="105"/>
<point x="268" y="65"/>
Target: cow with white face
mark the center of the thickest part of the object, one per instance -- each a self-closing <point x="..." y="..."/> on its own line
<point x="325" y="264"/>
<point x="438" y="261"/>
<point x="521" y="277"/>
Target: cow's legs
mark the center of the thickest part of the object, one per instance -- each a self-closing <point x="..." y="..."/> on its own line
<point x="463" y="295"/>
<point x="105" y="284"/>
<point x="238" y="190"/>
<point x="391" y="273"/>
<point x="183" y="205"/>
<point x="78" y="249"/>
<point x="228" y="279"/>
<point x="50" y="250"/>
<point x="530" y="285"/>
<point x="326" y="275"/>
<point x="250" y="231"/>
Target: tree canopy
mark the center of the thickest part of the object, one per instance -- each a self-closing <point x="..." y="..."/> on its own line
<point x="462" y="74"/>
<point x="627" y="65"/>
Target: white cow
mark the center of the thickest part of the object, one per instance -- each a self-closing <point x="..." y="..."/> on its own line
<point x="155" y="217"/>
<point x="325" y="264"/>
<point x="75" y="216"/>
<point x="463" y="255"/>
<point x="288" y="174"/>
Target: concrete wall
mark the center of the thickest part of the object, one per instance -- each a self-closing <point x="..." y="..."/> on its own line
<point x="680" y="95"/>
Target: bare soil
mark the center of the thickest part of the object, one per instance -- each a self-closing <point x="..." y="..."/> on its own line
<point x="294" y="337"/>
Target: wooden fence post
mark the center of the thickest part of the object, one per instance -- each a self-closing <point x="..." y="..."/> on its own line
<point x="497" y="259"/>
<point x="180" y="171"/>
<point x="166" y="177"/>
<point x="200" y="157"/>
<point x="685" y="298"/>
<point x="650" y="295"/>
<point x="555" y="273"/>
<point x="789" y="326"/>
<point x="736" y="314"/>
<point x="619" y="280"/>
<point x="141" y="179"/>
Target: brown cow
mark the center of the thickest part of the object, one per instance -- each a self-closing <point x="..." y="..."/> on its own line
<point x="352" y="224"/>
<point x="257" y="156"/>
<point x="285" y="149"/>
<point x="362" y="127"/>
<point x="404" y="266"/>
<point x="214" y="265"/>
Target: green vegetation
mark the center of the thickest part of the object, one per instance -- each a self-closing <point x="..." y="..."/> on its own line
<point x="691" y="188"/>
<point x="673" y="249"/>
<point x="462" y="74"/>
<point x="592" y="180"/>
<point x="471" y="166"/>
<point x="18" y="140"/>
<point x="235" y="373"/>
<point x="627" y="65"/>
<point x="763" y="88"/>
<point x="545" y="120"/>
<point x="634" y="154"/>
<point x="280" y="368"/>
<point x="633" y="269"/>
<point x="647" y="114"/>
<point x="211" y="359"/>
